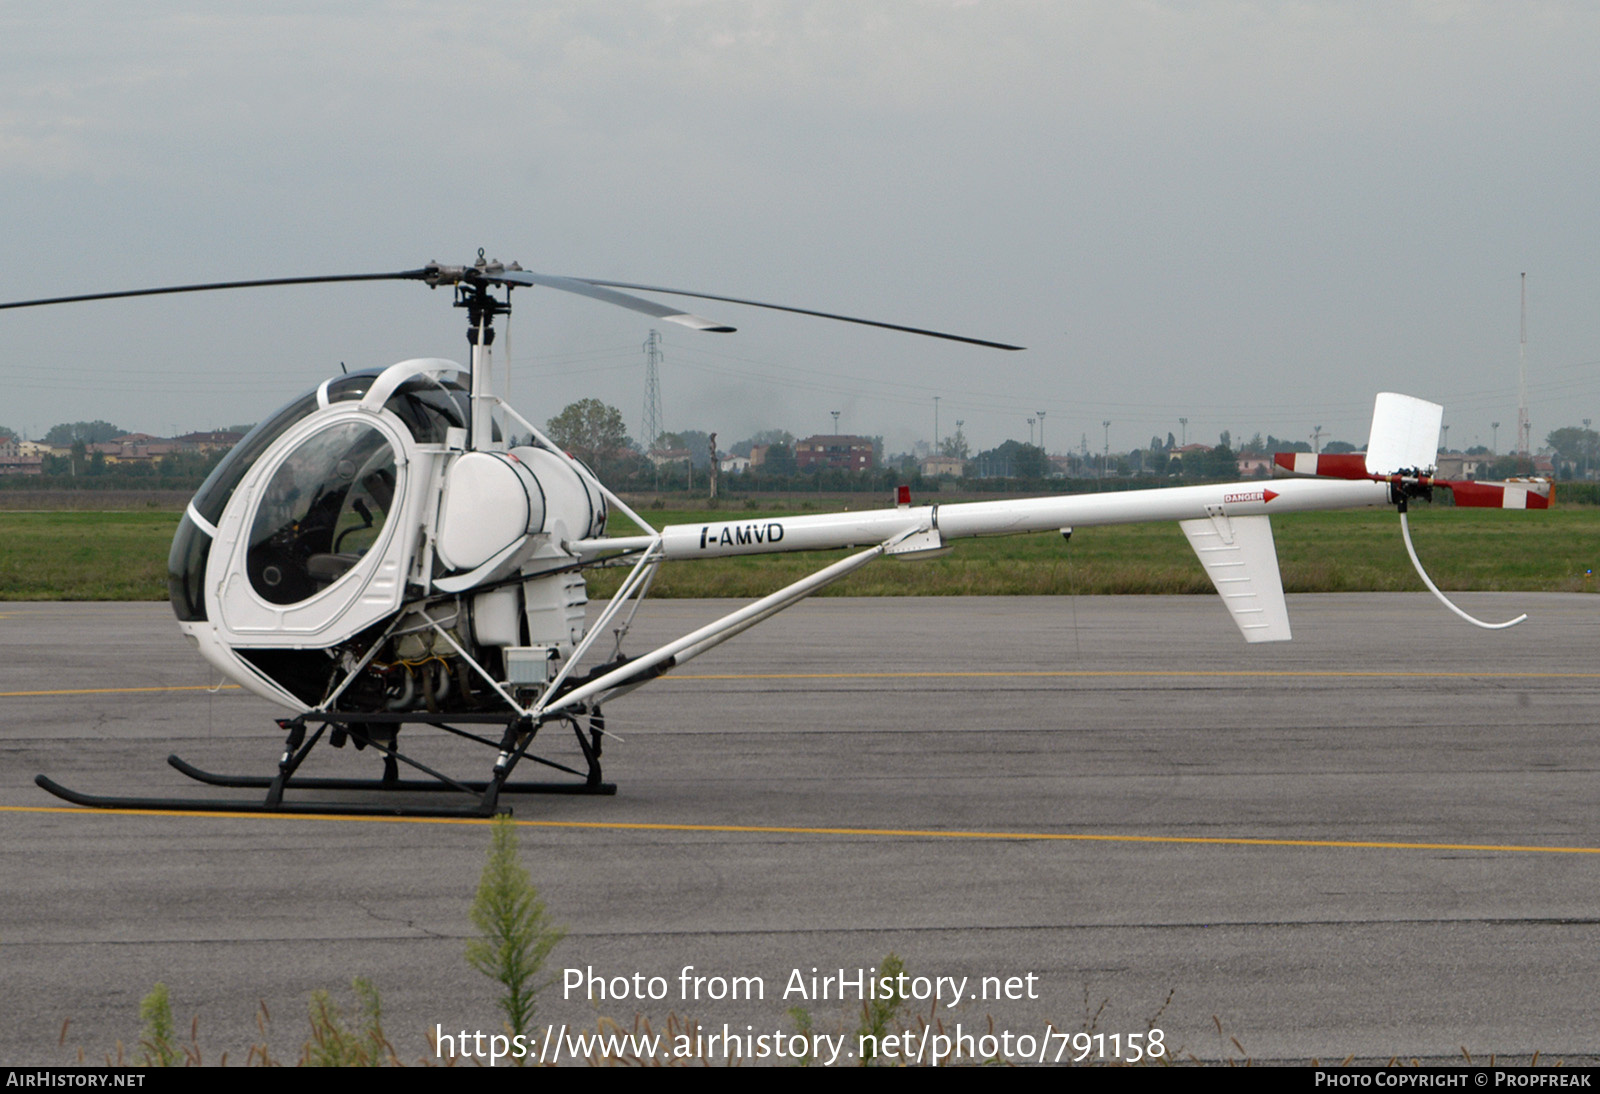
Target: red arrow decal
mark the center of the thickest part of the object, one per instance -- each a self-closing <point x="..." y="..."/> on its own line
<point x="1268" y="495"/>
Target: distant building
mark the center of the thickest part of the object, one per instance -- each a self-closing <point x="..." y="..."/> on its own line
<point x="1455" y="465"/>
<point x="1255" y="466"/>
<point x="838" y="452"/>
<point x="135" y="448"/>
<point x="13" y="462"/>
<point x="1188" y="452"/>
<point x="735" y="465"/>
<point x="213" y="441"/>
<point x="935" y="466"/>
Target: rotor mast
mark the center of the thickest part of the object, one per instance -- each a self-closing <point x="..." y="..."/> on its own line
<point x="473" y="292"/>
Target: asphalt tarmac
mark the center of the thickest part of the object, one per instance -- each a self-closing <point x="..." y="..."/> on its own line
<point x="1378" y="840"/>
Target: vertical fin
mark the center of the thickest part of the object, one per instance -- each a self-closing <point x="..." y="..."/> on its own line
<point x="1405" y="434"/>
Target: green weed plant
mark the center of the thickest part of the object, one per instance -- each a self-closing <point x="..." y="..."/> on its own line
<point x="515" y="933"/>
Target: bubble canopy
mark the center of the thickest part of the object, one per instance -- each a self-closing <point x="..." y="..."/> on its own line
<point x="352" y="473"/>
<point x="324" y="508"/>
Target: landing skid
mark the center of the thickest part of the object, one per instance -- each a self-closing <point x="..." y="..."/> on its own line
<point x="379" y="731"/>
<point x="263" y="782"/>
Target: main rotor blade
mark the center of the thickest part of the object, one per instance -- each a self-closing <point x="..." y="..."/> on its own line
<point x="584" y="287"/>
<point x="402" y="275"/>
<point x="800" y="311"/>
<point x="436" y="274"/>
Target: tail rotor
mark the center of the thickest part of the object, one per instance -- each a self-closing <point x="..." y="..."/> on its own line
<point x="1402" y="451"/>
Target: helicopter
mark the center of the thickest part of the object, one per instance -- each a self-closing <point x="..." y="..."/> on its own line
<point x="402" y="547"/>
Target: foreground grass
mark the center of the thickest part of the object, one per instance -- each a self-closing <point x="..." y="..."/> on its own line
<point x="122" y="556"/>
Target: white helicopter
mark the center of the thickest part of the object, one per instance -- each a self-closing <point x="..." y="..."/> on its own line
<point x="402" y="547"/>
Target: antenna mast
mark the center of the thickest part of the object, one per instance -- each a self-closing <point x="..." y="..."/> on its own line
<point x="652" y="427"/>
<point x="1524" y="448"/>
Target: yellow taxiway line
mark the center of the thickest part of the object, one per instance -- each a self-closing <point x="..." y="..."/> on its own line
<point x="116" y="691"/>
<point x="880" y="833"/>
<point x="902" y="833"/>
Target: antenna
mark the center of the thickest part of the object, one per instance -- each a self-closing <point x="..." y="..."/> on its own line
<point x="1523" y="428"/>
<point x="653" y="427"/>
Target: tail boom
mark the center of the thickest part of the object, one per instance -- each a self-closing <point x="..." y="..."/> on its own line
<point x="832" y="531"/>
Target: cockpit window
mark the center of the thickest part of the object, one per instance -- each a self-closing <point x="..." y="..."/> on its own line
<point x="323" y="510"/>
<point x="429" y="406"/>
<point x="352" y="386"/>
<point x="219" y="485"/>
<point x="186" y="570"/>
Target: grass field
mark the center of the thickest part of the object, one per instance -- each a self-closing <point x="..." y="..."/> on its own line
<point x="122" y="556"/>
<point x="85" y="555"/>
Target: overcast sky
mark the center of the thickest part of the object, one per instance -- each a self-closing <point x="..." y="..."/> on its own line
<point x="1252" y="215"/>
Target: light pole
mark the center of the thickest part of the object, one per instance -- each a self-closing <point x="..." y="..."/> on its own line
<point x="1586" y="442"/>
<point x="1041" y="433"/>
<point x="936" y="425"/>
<point x="1105" y="467"/>
<point x="1030" y="432"/>
<point x="1183" y="424"/>
<point x="835" y="414"/>
<point x="1494" y="439"/>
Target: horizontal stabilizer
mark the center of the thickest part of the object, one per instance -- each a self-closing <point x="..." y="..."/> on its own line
<point x="1242" y="562"/>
